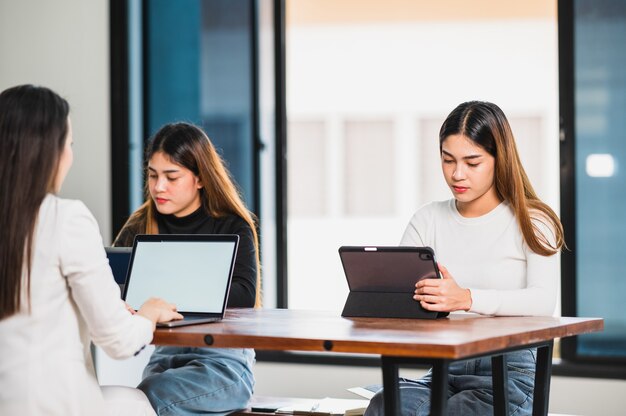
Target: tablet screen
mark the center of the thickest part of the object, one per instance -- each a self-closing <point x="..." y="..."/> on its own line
<point x="387" y="269"/>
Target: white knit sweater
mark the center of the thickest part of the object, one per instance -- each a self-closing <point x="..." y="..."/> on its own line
<point x="488" y="255"/>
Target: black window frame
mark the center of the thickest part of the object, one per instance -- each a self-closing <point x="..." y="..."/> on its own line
<point x="574" y="363"/>
<point x="567" y="165"/>
<point x="119" y="90"/>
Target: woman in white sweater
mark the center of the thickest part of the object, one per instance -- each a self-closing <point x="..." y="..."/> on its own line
<point x="57" y="292"/>
<point x="498" y="243"/>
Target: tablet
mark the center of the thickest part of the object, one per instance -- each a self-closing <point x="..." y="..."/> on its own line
<point x="382" y="280"/>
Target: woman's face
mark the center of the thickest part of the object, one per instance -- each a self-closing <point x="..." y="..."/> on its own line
<point x="470" y="172"/>
<point x="66" y="160"/>
<point x="174" y="188"/>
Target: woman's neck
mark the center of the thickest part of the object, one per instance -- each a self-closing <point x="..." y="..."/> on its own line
<point x="478" y="207"/>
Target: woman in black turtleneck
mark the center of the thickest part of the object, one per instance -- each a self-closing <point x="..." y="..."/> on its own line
<point x="191" y="192"/>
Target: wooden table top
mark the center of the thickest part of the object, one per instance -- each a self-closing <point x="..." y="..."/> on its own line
<point x="455" y="337"/>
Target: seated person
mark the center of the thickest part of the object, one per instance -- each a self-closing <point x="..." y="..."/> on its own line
<point x="190" y="192"/>
<point x="499" y="241"/>
<point x="57" y="291"/>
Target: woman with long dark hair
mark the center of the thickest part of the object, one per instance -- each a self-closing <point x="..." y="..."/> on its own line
<point x="499" y="244"/>
<point x="189" y="191"/>
<point x="57" y="292"/>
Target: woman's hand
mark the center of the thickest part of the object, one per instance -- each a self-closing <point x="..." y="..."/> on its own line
<point x="158" y="310"/>
<point x="130" y="309"/>
<point x="442" y="295"/>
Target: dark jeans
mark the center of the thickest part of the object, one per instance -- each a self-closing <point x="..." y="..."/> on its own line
<point x="470" y="390"/>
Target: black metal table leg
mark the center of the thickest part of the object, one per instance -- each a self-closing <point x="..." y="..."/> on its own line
<point x="439" y="389"/>
<point x="500" y="380"/>
<point x="542" y="379"/>
<point x="391" y="386"/>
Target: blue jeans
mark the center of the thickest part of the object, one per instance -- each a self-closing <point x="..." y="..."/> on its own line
<point x="470" y="389"/>
<point x="190" y="381"/>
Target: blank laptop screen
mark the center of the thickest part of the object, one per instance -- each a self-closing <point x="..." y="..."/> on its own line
<point x="194" y="275"/>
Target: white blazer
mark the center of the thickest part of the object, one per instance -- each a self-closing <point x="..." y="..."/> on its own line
<point x="45" y="359"/>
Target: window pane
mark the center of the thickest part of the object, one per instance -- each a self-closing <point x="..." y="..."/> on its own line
<point x="200" y="70"/>
<point x="600" y="100"/>
<point x="369" y="168"/>
<point x="429" y="179"/>
<point x="307" y="169"/>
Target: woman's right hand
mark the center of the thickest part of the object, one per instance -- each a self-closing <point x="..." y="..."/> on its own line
<point x="442" y="295"/>
<point x="158" y="310"/>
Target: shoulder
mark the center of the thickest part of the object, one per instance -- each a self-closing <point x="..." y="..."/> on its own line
<point x="61" y="221"/>
<point x="431" y="210"/>
<point x="56" y="201"/>
<point x="69" y="226"/>
<point x="232" y="224"/>
<point x="429" y="214"/>
<point x="126" y="235"/>
<point x="62" y="209"/>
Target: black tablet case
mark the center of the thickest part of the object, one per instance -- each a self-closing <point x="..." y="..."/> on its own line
<point x="382" y="281"/>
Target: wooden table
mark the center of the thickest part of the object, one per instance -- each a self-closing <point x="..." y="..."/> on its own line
<point x="398" y="341"/>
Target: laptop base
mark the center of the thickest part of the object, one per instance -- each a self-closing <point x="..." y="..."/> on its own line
<point x="187" y="321"/>
<point x="386" y="305"/>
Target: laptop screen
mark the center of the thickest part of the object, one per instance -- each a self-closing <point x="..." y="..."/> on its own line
<point x="194" y="272"/>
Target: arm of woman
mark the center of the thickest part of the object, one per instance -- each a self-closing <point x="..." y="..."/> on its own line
<point x="538" y="298"/>
<point x="243" y="287"/>
<point x="84" y="264"/>
<point x="539" y="295"/>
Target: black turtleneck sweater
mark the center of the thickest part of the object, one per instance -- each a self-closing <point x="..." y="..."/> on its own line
<point x="243" y="287"/>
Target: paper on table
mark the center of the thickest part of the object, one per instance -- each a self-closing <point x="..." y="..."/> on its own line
<point x="366" y="391"/>
<point x="327" y="407"/>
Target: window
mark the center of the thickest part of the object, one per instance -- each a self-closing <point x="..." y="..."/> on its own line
<point x="200" y="68"/>
<point x="593" y="149"/>
<point x="196" y="62"/>
<point x="368" y="174"/>
<point x="368" y="86"/>
<point x="309" y="170"/>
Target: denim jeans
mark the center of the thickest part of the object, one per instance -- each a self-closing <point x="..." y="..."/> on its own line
<point x="188" y="381"/>
<point x="470" y="389"/>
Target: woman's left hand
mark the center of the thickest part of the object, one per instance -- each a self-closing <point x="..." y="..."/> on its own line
<point x="442" y="295"/>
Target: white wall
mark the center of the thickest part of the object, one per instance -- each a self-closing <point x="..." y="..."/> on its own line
<point x="63" y="45"/>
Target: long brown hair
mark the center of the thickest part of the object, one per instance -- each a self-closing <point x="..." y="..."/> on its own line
<point x="33" y="130"/>
<point x="188" y="146"/>
<point x="486" y="125"/>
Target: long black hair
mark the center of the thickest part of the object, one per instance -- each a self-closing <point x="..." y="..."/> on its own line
<point x="33" y="130"/>
<point x="486" y="126"/>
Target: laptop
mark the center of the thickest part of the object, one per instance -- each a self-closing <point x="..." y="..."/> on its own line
<point x="119" y="257"/>
<point x="382" y="280"/>
<point x="192" y="271"/>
